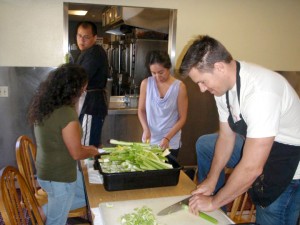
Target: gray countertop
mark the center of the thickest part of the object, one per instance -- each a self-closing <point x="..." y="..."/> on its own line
<point x="122" y="111"/>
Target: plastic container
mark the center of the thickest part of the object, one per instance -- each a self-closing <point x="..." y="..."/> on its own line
<point x="139" y="179"/>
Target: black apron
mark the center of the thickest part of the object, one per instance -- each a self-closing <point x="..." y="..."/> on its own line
<point x="280" y="167"/>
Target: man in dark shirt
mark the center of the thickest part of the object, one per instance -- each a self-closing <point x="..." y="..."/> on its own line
<point x="93" y="59"/>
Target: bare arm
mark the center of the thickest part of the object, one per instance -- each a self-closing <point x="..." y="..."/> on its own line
<point x="182" y="103"/>
<point x="223" y="151"/>
<point x="255" y="154"/>
<point x="142" y="111"/>
<point x="72" y="138"/>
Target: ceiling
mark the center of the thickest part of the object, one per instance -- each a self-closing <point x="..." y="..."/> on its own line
<point x="94" y="13"/>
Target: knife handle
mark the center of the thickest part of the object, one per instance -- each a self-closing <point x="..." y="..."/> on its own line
<point x="208" y="218"/>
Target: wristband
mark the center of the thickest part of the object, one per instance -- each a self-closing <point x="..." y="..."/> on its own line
<point x="167" y="139"/>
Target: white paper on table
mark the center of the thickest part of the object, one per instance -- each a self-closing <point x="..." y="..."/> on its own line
<point x="100" y="150"/>
<point x="94" y="176"/>
<point x="97" y="216"/>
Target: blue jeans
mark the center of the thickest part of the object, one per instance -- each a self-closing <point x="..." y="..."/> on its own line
<point x="284" y="210"/>
<point x="205" y="149"/>
<point x="62" y="197"/>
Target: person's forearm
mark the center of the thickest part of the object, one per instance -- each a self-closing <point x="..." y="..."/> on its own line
<point x="223" y="151"/>
<point x="178" y="125"/>
<point x="255" y="154"/>
<point x="238" y="182"/>
<point x="86" y="152"/>
<point x="143" y="120"/>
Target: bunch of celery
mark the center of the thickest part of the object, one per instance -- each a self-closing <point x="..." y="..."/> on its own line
<point x="133" y="156"/>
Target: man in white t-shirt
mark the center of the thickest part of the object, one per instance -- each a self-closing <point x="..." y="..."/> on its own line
<point x="260" y="105"/>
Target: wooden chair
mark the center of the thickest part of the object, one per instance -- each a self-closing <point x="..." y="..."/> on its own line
<point x="2" y="210"/>
<point x="26" y="156"/>
<point x="243" y="210"/>
<point x="18" y="205"/>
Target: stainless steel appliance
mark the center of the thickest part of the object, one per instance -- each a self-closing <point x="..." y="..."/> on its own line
<point x="127" y="60"/>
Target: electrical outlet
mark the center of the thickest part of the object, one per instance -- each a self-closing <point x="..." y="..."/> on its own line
<point x="3" y="91"/>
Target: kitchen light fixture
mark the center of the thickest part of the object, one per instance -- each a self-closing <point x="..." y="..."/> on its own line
<point x="77" y="12"/>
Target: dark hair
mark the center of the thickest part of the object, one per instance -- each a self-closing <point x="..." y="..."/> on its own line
<point x="159" y="57"/>
<point x="203" y="54"/>
<point x="63" y="86"/>
<point x="87" y="24"/>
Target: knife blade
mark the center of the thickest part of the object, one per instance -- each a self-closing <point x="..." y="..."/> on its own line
<point x="175" y="207"/>
<point x="180" y="205"/>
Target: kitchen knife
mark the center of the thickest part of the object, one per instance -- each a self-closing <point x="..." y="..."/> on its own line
<point x="175" y="207"/>
<point x="180" y="205"/>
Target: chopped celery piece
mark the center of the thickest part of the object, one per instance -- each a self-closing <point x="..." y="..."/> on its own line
<point x="140" y="216"/>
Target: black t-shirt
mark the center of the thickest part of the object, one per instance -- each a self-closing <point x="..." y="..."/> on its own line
<point x="94" y="61"/>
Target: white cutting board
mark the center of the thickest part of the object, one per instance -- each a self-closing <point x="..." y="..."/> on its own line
<point x="111" y="212"/>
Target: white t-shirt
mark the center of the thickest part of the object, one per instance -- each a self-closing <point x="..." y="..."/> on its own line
<point x="268" y="103"/>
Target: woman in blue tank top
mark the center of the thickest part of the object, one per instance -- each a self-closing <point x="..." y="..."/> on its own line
<point x="163" y="104"/>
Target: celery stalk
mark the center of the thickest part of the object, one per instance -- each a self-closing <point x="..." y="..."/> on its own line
<point x="133" y="156"/>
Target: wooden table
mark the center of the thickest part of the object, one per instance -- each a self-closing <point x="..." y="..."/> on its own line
<point x="97" y="194"/>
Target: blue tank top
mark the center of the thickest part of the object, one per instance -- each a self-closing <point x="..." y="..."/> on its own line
<point x="162" y="113"/>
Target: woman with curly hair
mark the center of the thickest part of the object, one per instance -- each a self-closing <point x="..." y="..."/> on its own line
<point x="58" y="137"/>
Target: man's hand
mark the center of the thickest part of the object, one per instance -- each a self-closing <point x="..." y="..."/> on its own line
<point x="201" y="202"/>
<point x="206" y="188"/>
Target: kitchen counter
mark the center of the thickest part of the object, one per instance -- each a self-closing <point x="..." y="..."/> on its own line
<point x="122" y="111"/>
<point x="121" y="124"/>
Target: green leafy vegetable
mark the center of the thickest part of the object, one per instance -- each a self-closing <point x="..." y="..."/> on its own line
<point x="133" y="156"/>
<point x="140" y="216"/>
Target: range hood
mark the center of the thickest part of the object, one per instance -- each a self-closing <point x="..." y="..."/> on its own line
<point x="146" y="18"/>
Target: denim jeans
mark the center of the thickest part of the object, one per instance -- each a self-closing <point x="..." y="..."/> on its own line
<point x="62" y="197"/>
<point x="205" y="148"/>
<point x="284" y="210"/>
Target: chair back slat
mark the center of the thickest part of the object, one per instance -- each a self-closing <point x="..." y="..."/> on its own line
<point x="26" y="155"/>
<point x="240" y="211"/>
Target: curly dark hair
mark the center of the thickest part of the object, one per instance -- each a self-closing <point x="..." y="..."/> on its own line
<point x="63" y="86"/>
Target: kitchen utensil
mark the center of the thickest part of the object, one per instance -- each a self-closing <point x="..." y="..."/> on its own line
<point x="175" y="207"/>
<point x="180" y="205"/>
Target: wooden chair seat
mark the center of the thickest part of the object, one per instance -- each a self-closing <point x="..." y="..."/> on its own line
<point x="26" y="156"/>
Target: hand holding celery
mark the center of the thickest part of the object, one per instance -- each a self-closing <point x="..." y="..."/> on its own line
<point x="203" y="215"/>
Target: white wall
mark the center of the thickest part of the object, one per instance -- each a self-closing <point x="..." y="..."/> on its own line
<point x="264" y="32"/>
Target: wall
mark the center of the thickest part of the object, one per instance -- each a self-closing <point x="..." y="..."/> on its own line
<point x="265" y="32"/>
<point x="23" y="82"/>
